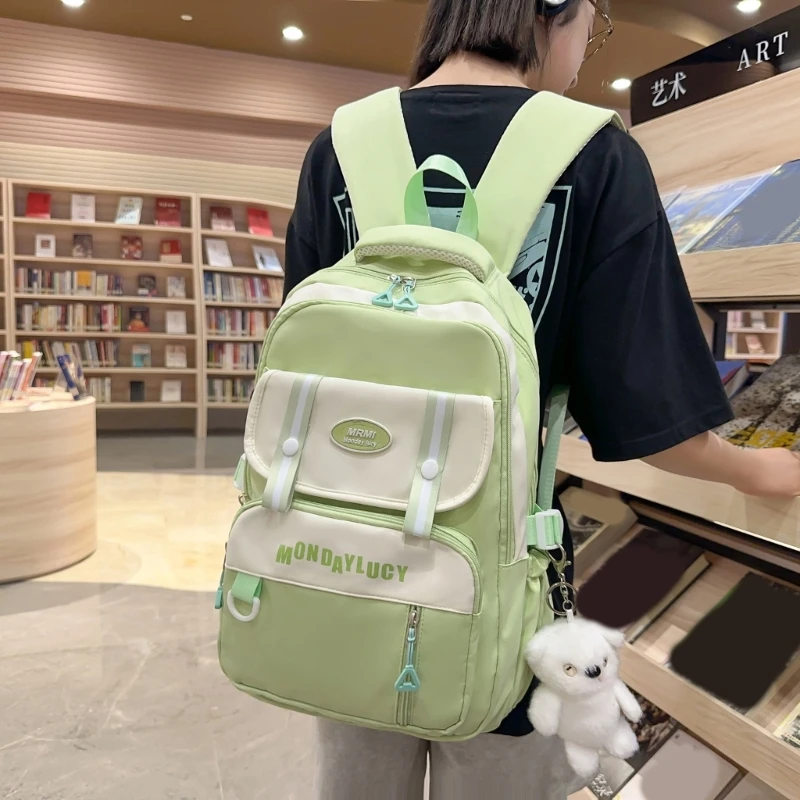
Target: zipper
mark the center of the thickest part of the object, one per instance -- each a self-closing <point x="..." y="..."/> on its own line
<point x="385" y="299"/>
<point x="408" y="682"/>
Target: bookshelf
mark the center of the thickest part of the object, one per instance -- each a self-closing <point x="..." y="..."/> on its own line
<point x="5" y="295"/>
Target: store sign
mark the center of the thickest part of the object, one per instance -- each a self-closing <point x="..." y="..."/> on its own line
<point x="768" y="49"/>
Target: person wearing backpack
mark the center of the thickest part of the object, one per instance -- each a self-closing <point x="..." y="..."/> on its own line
<point x="459" y="254"/>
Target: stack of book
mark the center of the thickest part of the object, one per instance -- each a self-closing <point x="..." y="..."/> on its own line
<point x="75" y="317"/>
<point x="230" y="390"/>
<point x="236" y="322"/>
<point x="236" y="288"/>
<point x="17" y="374"/>
<point x="230" y="355"/>
<point x="40" y="281"/>
<point x="96" y="354"/>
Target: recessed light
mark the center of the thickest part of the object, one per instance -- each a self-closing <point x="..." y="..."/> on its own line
<point x="749" y="6"/>
<point x="187" y="17"/>
<point x="621" y="84"/>
<point x="73" y="3"/>
<point x="293" y="33"/>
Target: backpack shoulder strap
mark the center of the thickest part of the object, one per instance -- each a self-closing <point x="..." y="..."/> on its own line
<point x="372" y="147"/>
<point x="543" y="139"/>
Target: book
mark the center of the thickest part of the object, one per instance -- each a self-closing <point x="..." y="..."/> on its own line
<point x="68" y="374"/>
<point x="670" y="197"/>
<point x="682" y="768"/>
<point x="766" y="413"/>
<point x="170" y="251"/>
<point x="696" y="211"/>
<point x="176" y="322"/>
<point x="758" y="319"/>
<point x="129" y="211"/>
<point x="147" y="286"/>
<point x="175" y="356"/>
<point x="769" y="214"/>
<point x="82" y="245"/>
<point x="734" y="375"/>
<point x="131" y="248"/>
<point x="751" y="788"/>
<point x="168" y="212"/>
<point x="760" y="607"/>
<point x="754" y="345"/>
<point x="9" y="386"/>
<point x="258" y="222"/>
<point x="176" y="287"/>
<point x="222" y="218"/>
<point x="138" y="319"/>
<point x="652" y="731"/>
<point x="644" y="575"/>
<point x="218" y="253"/>
<point x="45" y="245"/>
<point x="83" y="208"/>
<point x="267" y="259"/>
<point x="789" y="729"/>
<point x="38" y="205"/>
<point x="137" y="391"/>
<point x="141" y="356"/>
<point x="171" y="391"/>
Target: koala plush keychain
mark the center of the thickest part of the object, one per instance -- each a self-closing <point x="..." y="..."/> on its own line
<point x="581" y="697"/>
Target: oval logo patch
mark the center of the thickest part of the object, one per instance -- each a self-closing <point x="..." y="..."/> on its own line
<point x="361" y="436"/>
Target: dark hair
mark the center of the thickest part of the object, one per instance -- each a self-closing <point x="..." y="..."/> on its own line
<point x="503" y="30"/>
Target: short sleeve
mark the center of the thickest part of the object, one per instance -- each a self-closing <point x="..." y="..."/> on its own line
<point x="642" y="376"/>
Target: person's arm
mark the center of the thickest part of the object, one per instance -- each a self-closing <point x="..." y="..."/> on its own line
<point x="764" y="473"/>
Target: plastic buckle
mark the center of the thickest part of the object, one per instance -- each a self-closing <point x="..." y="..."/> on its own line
<point x="546" y="530"/>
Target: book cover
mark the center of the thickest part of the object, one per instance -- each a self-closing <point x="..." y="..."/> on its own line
<point x="176" y="322"/>
<point x="83" y="208"/>
<point x="751" y="788"/>
<point x="789" y="729"/>
<point x="141" y="356"/>
<point x="137" y="391"/>
<point x="638" y="578"/>
<point x="267" y="259"/>
<point x="175" y="356"/>
<point x="682" y="768"/>
<point x="68" y="374"/>
<point x="45" y="245"/>
<point x="10" y="381"/>
<point x="171" y="391"/>
<point x="670" y="197"/>
<point x="168" y="212"/>
<point x="222" y="218"/>
<point x="734" y="375"/>
<point x="218" y="253"/>
<point x="754" y="345"/>
<point x="138" y="319"/>
<point x="170" y="251"/>
<point x="176" y="287"/>
<point x="706" y="655"/>
<point x="770" y="214"/>
<point x="147" y="286"/>
<point x="129" y="211"/>
<point x="38" y="205"/>
<point x="767" y="413"/>
<point x="696" y="211"/>
<point x="82" y="245"/>
<point x="588" y="513"/>
<point x="258" y="222"/>
<point x="652" y="731"/>
<point x="131" y="248"/>
<point x="83" y="282"/>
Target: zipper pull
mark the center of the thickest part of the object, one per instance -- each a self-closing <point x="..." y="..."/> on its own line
<point x="238" y="476"/>
<point x="220" y="593"/>
<point x="386" y="299"/>
<point x="407" y="301"/>
<point x="409" y="680"/>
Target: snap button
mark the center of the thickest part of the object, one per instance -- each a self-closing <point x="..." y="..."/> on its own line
<point x="430" y="469"/>
<point x="290" y="447"/>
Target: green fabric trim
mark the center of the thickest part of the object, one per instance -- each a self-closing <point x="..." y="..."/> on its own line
<point x="544" y="137"/>
<point x="246" y="587"/>
<point x="555" y="427"/>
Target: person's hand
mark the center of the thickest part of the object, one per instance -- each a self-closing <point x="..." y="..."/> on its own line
<point x="772" y="473"/>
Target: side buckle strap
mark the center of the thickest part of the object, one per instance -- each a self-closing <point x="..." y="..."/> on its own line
<point x="545" y="529"/>
<point x="283" y="469"/>
<point x="430" y="464"/>
<point x="245" y="589"/>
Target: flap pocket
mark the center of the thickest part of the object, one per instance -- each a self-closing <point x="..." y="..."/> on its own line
<point x="365" y="442"/>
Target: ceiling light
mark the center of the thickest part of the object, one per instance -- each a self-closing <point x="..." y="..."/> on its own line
<point x="621" y="84"/>
<point x="187" y="17"/>
<point x="749" y="6"/>
<point x="73" y="3"/>
<point x="293" y="33"/>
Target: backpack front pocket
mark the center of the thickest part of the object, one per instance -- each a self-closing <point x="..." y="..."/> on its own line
<point x="352" y="618"/>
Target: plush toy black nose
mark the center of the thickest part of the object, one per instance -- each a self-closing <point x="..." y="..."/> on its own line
<point x="593" y="672"/>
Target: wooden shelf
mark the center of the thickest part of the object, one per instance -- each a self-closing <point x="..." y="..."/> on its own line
<point x="218" y="337"/>
<point x="246" y="304"/>
<point x="218" y="405"/>
<point x="245" y="373"/>
<point x="103" y="262"/>
<point x="105" y="335"/>
<point x="105" y="226"/>
<point x="752" y="356"/>
<point x="143" y="406"/>
<point x="243" y="270"/>
<point x="754" y="330"/>
<point x="773" y="520"/>
<point x="121" y="371"/>
<point x="276" y="240"/>
<point x="108" y="298"/>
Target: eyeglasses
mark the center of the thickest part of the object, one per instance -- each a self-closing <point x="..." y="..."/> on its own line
<point x="598" y="40"/>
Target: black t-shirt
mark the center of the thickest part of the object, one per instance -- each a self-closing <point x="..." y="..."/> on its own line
<point x="613" y="317"/>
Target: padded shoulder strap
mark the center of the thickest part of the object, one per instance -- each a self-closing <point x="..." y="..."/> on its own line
<point x="543" y="139"/>
<point x="371" y="144"/>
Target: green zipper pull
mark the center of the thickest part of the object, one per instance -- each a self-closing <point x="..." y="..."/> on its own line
<point x="238" y="476"/>
<point x="407" y="301"/>
<point x="386" y="299"/>
<point x="409" y="680"/>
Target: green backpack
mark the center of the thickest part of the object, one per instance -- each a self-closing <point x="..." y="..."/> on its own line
<point x="388" y="563"/>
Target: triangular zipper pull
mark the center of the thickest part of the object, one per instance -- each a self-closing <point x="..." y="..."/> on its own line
<point x="386" y="299"/>
<point x="407" y="301"/>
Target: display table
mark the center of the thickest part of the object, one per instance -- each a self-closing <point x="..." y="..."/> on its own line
<point x="48" y="486"/>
